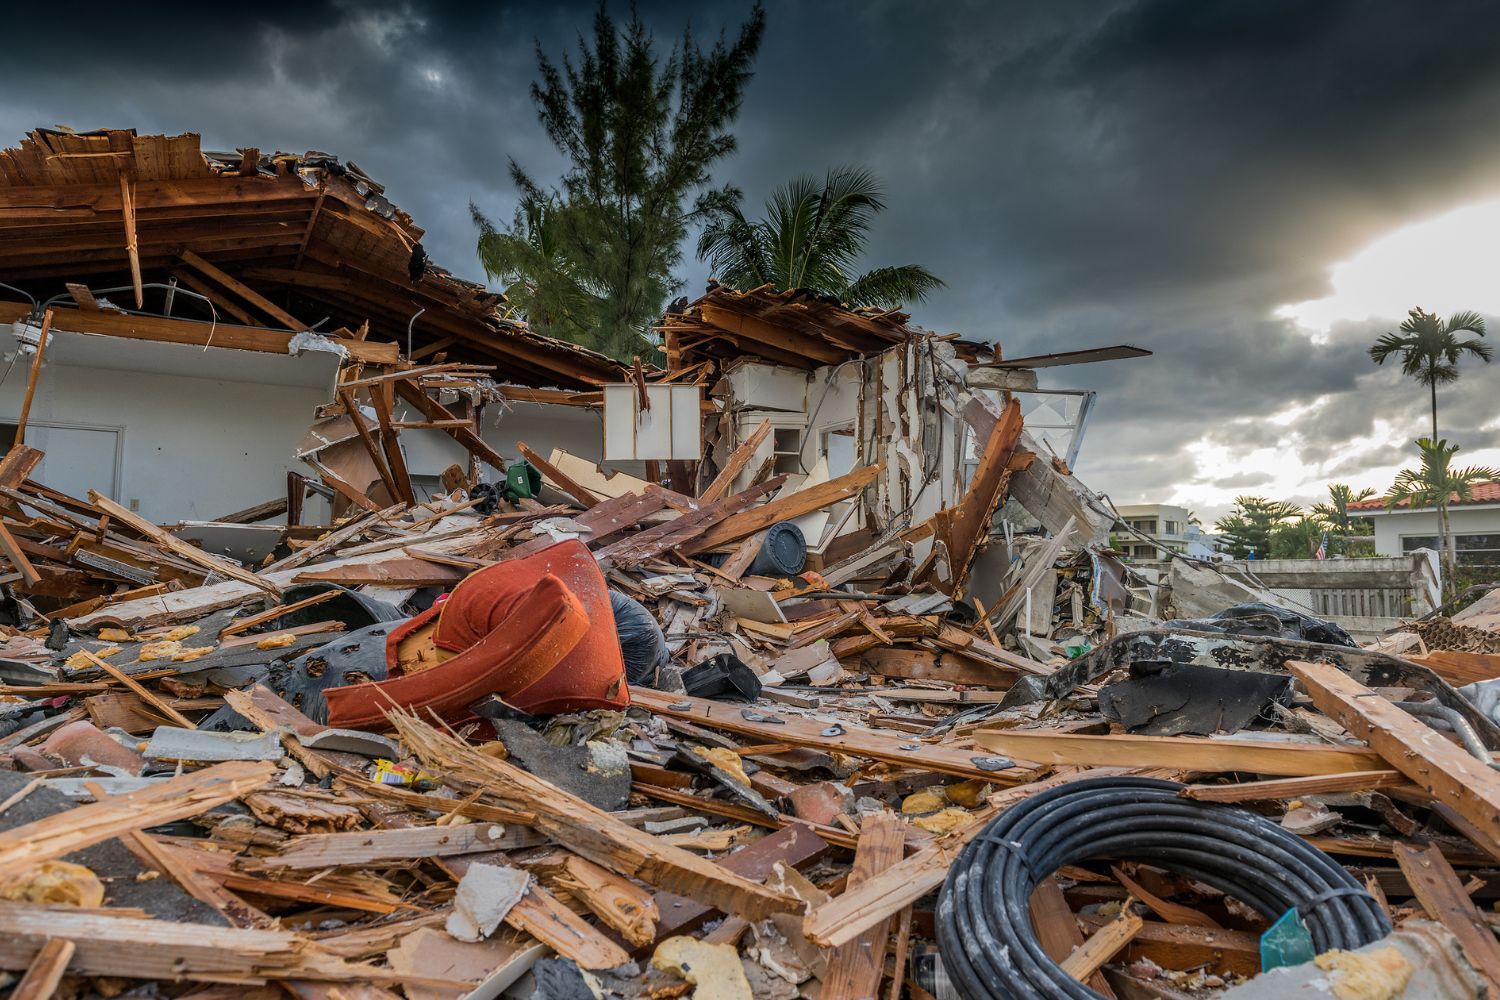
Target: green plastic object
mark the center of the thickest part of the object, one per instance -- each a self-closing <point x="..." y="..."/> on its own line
<point x="522" y="481"/>
<point x="1288" y="942"/>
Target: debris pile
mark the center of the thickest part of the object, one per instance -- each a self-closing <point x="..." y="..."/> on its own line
<point x="737" y="727"/>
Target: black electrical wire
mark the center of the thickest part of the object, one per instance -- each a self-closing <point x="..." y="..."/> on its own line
<point x="989" y="948"/>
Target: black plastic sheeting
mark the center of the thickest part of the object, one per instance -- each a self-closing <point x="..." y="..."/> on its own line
<point x="1257" y="618"/>
<point x="641" y="641"/>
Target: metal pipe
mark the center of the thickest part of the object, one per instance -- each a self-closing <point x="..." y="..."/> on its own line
<point x="1454" y="721"/>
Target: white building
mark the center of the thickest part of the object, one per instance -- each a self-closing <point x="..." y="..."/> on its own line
<point x="1475" y="524"/>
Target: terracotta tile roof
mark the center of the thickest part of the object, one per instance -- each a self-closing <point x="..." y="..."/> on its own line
<point x="1486" y="492"/>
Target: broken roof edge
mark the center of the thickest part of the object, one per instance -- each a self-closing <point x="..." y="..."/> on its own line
<point x="388" y="253"/>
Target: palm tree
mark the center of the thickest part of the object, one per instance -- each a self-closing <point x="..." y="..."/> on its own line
<point x="1335" y="513"/>
<point x="811" y="238"/>
<point x="1430" y="349"/>
<point x="1437" y="484"/>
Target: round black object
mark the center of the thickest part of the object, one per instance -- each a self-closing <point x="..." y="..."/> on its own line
<point x="642" y="644"/>
<point x="783" y="553"/>
<point x="984" y="931"/>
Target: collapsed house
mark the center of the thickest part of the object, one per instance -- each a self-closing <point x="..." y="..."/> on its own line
<point x="400" y="651"/>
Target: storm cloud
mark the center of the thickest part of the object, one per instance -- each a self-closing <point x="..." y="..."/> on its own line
<point x="1165" y="173"/>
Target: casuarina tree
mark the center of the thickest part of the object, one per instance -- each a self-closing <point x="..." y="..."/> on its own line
<point x="591" y="258"/>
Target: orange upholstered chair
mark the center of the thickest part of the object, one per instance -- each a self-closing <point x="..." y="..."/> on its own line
<point x="538" y="631"/>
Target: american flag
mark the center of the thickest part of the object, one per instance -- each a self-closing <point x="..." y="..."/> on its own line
<point x="1322" y="552"/>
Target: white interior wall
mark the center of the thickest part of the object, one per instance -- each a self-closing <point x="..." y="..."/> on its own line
<point x="191" y="446"/>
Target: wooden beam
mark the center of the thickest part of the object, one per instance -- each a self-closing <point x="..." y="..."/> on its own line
<point x="433" y="410"/>
<point x="735" y="463"/>
<point x="1296" y="788"/>
<point x="854" y="968"/>
<point x="558" y="478"/>
<point x="197" y="333"/>
<point x="963" y="527"/>
<point x="1103" y="945"/>
<point x="12" y="551"/>
<point x="163" y="802"/>
<point x="1181" y="752"/>
<point x="351" y="406"/>
<point x="141" y="691"/>
<point x="132" y="251"/>
<point x="1437" y="765"/>
<point x="177" y="546"/>
<point x="31" y="379"/>
<point x="17" y="465"/>
<point x="45" y="971"/>
<point x="215" y="297"/>
<point x="384" y="402"/>
<point x="243" y="290"/>
<point x="1442" y="895"/>
<point x="592" y="832"/>
<point x="783" y="508"/>
<point x="1057" y="929"/>
<point x="783" y="340"/>
<point x="893" y="748"/>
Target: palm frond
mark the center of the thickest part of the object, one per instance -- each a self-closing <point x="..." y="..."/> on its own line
<point x="892" y="287"/>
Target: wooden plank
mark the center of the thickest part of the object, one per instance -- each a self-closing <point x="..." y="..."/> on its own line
<point x="677" y="533"/>
<point x="1293" y="788"/>
<point x="132" y="248"/>
<point x="894" y="748"/>
<point x="592" y="832"/>
<point x="364" y="847"/>
<point x="177" y="546"/>
<point x="1434" y="763"/>
<point x="1102" y="946"/>
<point x="195" y="332"/>
<point x="244" y="291"/>
<point x="1057" y="929"/>
<point x="796" y="846"/>
<point x="854" y="968"/>
<point x="1183" y="947"/>
<point x="735" y="464"/>
<point x="433" y="410"/>
<point x="784" y="508"/>
<point x="12" y="551"/>
<point x="1181" y="752"/>
<point x="1459" y="668"/>
<point x="377" y="459"/>
<point x="558" y="478"/>
<point x="82" y="826"/>
<point x="45" y="971"/>
<point x="384" y="401"/>
<point x="31" y="379"/>
<point x="17" y="465"/>
<point x="965" y="525"/>
<point x="251" y="621"/>
<point x="1443" y="896"/>
<point x="145" y="694"/>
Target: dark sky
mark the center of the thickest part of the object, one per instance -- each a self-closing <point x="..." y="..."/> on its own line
<point x="1166" y="173"/>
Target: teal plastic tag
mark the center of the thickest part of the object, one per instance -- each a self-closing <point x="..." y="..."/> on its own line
<point x="1288" y="942"/>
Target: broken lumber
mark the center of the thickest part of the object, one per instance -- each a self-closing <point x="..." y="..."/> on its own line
<point x="1181" y="752"/>
<point x="1432" y="761"/>
<point x="854" y="968"/>
<point x="173" y="544"/>
<point x="173" y="799"/>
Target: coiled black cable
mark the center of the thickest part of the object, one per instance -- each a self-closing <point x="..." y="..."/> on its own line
<point x="988" y="946"/>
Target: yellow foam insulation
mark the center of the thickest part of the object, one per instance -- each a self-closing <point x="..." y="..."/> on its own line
<point x="79" y="660"/>
<point x="164" y="649"/>
<point x="725" y="760"/>
<point x="928" y="800"/>
<point x="714" y="969"/>
<point x="190" y="653"/>
<point x="115" y="635"/>
<point x="277" y="641"/>
<point x="1376" y="975"/>
<point x="55" y="882"/>
<point x="179" y="633"/>
<point x="968" y="794"/>
<point x="946" y="821"/>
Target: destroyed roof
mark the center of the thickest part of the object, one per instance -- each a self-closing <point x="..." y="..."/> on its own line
<point x="1480" y="493"/>
<point x="314" y="236"/>
<point x="796" y="328"/>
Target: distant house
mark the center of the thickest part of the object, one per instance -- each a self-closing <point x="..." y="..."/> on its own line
<point x="1167" y="525"/>
<point x="1475" y="524"/>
